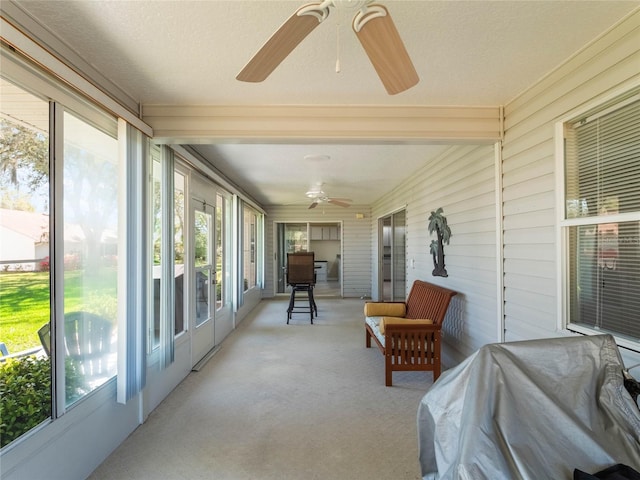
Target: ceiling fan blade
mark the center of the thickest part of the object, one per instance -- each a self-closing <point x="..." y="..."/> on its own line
<point x="282" y="43"/>
<point x="313" y="205"/>
<point x="380" y="39"/>
<point x="338" y="202"/>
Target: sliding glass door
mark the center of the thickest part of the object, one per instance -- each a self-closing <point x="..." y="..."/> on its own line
<point x="392" y="257"/>
<point x="324" y="240"/>
<point x="291" y="238"/>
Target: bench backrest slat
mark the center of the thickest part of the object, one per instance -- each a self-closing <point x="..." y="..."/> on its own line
<point x="429" y="301"/>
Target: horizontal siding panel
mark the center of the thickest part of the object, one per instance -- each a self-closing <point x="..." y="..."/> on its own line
<point x="520" y="331"/>
<point x="525" y="281"/>
<point x="473" y="292"/>
<point x="543" y="200"/>
<point x="532" y="160"/>
<point x="484" y="209"/>
<point x="518" y="148"/>
<point x="543" y="305"/>
<point x="480" y="271"/>
<point x="529" y="220"/>
<point x="540" y="235"/>
<point x="540" y="269"/>
<point x="471" y="237"/>
<point x="524" y="285"/>
<point x="530" y="323"/>
<point x="469" y="251"/>
<point x="461" y="337"/>
<point x="536" y="184"/>
<point x="535" y="251"/>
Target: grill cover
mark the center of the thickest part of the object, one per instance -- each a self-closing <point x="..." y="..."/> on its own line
<point x="530" y="410"/>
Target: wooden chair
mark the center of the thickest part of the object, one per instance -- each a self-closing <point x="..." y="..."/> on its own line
<point x="302" y="278"/>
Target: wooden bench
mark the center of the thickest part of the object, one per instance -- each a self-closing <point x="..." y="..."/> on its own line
<point x="408" y="333"/>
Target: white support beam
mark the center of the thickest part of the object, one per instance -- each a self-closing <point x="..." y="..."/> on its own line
<point x="297" y="123"/>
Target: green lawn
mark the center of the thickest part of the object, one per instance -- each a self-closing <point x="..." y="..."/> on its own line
<point x="24" y="302"/>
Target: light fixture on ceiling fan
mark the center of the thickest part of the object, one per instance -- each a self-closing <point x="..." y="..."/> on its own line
<point x="372" y="25"/>
<point x="318" y="196"/>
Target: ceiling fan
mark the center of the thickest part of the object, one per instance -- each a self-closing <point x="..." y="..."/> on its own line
<point x="372" y="25"/>
<point x="318" y="196"/>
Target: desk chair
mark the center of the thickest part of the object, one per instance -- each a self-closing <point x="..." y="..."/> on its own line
<point x="301" y="277"/>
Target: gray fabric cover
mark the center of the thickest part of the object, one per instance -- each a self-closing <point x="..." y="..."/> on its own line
<point x="530" y="410"/>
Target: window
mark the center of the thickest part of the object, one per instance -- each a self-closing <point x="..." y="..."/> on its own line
<point x="24" y="260"/>
<point x="601" y="223"/>
<point x="90" y="245"/>
<point x="60" y="216"/>
<point x="250" y="230"/>
<point x="203" y="263"/>
<point x="167" y="249"/>
<point x="223" y="250"/>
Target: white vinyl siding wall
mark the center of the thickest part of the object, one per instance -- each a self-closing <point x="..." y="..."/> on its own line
<point x="356" y="242"/>
<point x="531" y="251"/>
<point x="461" y="181"/>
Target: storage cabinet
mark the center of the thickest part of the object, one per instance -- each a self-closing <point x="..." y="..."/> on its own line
<point x="330" y="232"/>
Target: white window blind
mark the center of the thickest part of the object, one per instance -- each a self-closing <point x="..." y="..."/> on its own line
<point x="602" y="184"/>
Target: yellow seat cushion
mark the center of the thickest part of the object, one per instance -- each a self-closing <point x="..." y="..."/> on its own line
<point x="384" y="309"/>
<point x="401" y="321"/>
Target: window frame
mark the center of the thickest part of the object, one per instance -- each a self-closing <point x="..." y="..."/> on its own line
<point x="62" y="98"/>
<point x="597" y="107"/>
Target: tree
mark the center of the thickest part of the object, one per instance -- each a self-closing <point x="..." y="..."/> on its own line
<point x="438" y="223"/>
<point x="90" y="199"/>
<point x="24" y="162"/>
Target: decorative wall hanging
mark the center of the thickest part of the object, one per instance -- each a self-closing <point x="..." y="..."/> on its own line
<point x="438" y="223"/>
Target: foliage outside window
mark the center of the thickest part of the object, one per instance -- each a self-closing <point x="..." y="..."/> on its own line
<point x="203" y="264"/>
<point x="602" y="220"/>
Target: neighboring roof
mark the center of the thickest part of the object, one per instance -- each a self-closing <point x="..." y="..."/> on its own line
<point x="30" y="224"/>
<point x="36" y="226"/>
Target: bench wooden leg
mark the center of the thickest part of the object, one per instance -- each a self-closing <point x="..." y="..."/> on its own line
<point x="367" y="338"/>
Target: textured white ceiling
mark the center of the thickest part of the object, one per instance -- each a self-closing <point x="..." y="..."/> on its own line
<point x="189" y="52"/>
<point x="286" y="172"/>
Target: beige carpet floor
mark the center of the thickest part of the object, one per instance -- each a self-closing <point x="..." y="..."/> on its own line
<point x="283" y="402"/>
